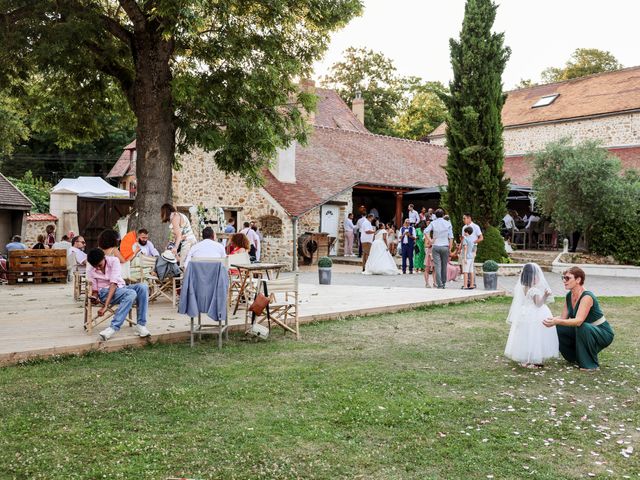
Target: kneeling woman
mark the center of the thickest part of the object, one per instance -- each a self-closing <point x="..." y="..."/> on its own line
<point x="583" y="331"/>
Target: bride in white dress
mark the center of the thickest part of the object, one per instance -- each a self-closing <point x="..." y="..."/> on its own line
<point x="380" y="261"/>
<point x="530" y="342"/>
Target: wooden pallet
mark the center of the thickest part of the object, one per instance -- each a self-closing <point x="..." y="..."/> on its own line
<point x="37" y="266"/>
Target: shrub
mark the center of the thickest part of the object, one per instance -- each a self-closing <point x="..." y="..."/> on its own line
<point x="490" y="266"/>
<point x="325" y="262"/>
<point x="36" y="189"/>
<point x="492" y="247"/>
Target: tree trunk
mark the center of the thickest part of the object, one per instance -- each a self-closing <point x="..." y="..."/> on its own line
<point x="155" y="136"/>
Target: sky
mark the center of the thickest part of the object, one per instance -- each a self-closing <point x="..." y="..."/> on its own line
<point x="541" y="33"/>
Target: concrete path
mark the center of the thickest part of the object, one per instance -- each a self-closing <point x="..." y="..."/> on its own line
<point x="44" y="320"/>
<point x="350" y="275"/>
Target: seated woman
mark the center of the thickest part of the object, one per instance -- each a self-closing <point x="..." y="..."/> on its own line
<point x="239" y="243"/>
<point x="40" y="245"/>
<point x="583" y="331"/>
<point x="108" y="242"/>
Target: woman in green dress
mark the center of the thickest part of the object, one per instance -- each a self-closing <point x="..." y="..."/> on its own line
<point x="583" y="331"/>
<point x="418" y="256"/>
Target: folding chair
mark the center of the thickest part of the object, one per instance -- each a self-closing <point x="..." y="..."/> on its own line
<point x="78" y="276"/>
<point x="91" y="306"/>
<point x="240" y="289"/>
<point x="518" y="238"/>
<point x="283" y="305"/>
<point x="144" y="270"/>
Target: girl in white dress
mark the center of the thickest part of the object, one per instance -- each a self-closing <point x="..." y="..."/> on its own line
<point x="380" y="261"/>
<point x="531" y="343"/>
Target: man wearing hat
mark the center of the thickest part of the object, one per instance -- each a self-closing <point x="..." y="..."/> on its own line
<point x="105" y="277"/>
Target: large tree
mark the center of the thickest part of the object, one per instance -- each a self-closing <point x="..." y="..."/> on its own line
<point x="584" y="61"/>
<point x="373" y="75"/>
<point x="475" y="162"/>
<point x="219" y="74"/>
<point x="422" y="110"/>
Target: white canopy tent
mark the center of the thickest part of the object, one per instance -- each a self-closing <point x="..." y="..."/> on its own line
<point x="64" y="199"/>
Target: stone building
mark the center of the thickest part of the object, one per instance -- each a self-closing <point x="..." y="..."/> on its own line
<point x="604" y="107"/>
<point x="14" y="207"/>
<point x="312" y="187"/>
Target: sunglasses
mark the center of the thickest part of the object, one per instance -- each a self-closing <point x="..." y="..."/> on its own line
<point x="566" y="278"/>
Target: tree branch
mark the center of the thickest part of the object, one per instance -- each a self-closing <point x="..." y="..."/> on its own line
<point x="134" y="12"/>
<point x="107" y="65"/>
<point x="18" y="14"/>
<point x="117" y="30"/>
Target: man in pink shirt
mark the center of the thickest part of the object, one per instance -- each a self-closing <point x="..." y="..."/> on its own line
<point x="107" y="283"/>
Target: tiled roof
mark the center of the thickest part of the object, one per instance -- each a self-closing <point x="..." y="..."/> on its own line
<point x="41" y="217"/>
<point x="336" y="159"/>
<point x="333" y="112"/>
<point x="11" y="197"/>
<point x="599" y="94"/>
<point x="126" y="164"/>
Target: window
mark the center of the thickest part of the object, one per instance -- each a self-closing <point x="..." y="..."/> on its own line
<point x="546" y="100"/>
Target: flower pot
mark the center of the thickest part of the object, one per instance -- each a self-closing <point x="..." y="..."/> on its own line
<point x="490" y="280"/>
<point x="324" y="275"/>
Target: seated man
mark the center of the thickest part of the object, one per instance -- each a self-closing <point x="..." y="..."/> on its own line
<point x="207" y="248"/>
<point x="15" y="244"/>
<point x="144" y="245"/>
<point x="77" y="250"/>
<point x="107" y="283"/>
<point x="63" y="244"/>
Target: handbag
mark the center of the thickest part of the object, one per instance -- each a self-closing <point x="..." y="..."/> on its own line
<point x="259" y="304"/>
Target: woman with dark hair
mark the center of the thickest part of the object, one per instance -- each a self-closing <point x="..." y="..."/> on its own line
<point x="51" y="237"/>
<point x="40" y="245"/>
<point x="583" y="330"/>
<point x="419" y="254"/>
<point x="108" y="242"/>
<point x="529" y="342"/>
<point x="180" y="231"/>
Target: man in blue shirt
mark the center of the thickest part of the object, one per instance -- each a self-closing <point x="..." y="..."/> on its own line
<point x="15" y="244"/>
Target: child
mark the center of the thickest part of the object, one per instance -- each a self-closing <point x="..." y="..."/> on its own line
<point x="467" y="256"/>
<point x="530" y="343"/>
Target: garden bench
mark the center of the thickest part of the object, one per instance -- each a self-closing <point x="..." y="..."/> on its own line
<point x="37" y="266"/>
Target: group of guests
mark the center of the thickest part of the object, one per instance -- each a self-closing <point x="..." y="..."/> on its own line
<point x="43" y="241"/>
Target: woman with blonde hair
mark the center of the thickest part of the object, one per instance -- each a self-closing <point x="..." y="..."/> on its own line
<point x="180" y="231"/>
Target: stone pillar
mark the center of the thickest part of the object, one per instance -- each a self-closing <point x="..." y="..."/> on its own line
<point x="357" y="106"/>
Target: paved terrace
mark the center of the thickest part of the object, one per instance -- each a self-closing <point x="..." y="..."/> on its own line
<point x="44" y="320"/>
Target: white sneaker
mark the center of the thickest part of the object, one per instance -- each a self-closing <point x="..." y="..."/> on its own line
<point x="107" y="333"/>
<point x="143" y="331"/>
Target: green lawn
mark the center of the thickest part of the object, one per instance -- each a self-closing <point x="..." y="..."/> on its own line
<point x="421" y="394"/>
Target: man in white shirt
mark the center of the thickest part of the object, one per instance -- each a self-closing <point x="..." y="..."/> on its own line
<point x="77" y="250"/>
<point x="144" y="245"/>
<point x="413" y="216"/>
<point x="442" y="243"/>
<point x="476" y="236"/>
<point x="254" y="239"/>
<point x="358" y="230"/>
<point x="206" y="248"/>
<point x="366" y="238"/>
<point x="533" y="218"/>
<point x="348" y="235"/>
<point x="63" y="244"/>
<point x="509" y="222"/>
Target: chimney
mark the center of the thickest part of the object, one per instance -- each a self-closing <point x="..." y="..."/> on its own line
<point x="357" y="106"/>
<point x="308" y="85"/>
<point x="283" y="166"/>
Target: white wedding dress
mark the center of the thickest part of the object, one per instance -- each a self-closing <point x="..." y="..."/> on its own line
<point x="529" y="340"/>
<point x="380" y="261"/>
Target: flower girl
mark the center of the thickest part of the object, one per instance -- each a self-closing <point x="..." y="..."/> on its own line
<point x="530" y="342"/>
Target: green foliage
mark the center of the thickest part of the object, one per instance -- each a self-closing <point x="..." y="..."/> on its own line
<point x="474" y="168"/>
<point x="325" y="262"/>
<point x="525" y="83"/>
<point x="576" y="186"/>
<point x="373" y="76"/>
<point x="423" y="112"/>
<point x="12" y="125"/>
<point x="492" y="247"/>
<point x="583" y="62"/>
<point x="490" y="266"/>
<point x="36" y="189"/>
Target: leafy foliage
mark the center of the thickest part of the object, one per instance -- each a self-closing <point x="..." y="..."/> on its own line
<point x="490" y="266"/>
<point x="576" y="186"/>
<point x="36" y="189"/>
<point x="423" y="112"/>
<point x="492" y="247"/>
<point x="325" y="262"/>
<point x="474" y="168"/>
<point x="12" y="126"/>
<point x="584" y="61"/>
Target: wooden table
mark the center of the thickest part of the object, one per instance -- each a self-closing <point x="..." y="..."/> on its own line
<point x="248" y="272"/>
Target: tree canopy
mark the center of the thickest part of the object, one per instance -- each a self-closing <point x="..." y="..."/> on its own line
<point x="422" y="111"/>
<point x="218" y="74"/>
<point x="583" y="62"/>
<point x="475" y="163"/>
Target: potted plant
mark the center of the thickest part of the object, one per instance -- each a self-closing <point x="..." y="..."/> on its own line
<point x="490" y="275"/>
<point x="324" y="270"/>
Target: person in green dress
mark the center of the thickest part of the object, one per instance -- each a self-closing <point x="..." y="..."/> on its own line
<point x="418" y="256"/>
<point x="583" y="330"/>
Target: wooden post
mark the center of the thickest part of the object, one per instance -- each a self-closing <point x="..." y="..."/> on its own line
<point x="399" y="196"/>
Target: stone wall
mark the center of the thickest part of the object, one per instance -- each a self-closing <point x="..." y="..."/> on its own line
<point x="201" y="183"/>
<point x="35" y="228"/>
<point x="612" y="131"/>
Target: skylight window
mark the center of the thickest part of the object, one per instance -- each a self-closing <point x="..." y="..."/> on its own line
<point x="546" y="100"/>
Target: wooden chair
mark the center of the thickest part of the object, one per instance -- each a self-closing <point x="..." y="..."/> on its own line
<point x="283" y="305"/>
<point x="77" y="275"/>
<point x="240" y="288"/>
<point x="518" y="238"/>
<point x="93" y="304"/>
<point x="143" y="269"/>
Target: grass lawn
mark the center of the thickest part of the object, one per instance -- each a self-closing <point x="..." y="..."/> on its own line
<point x="421" y="394"/>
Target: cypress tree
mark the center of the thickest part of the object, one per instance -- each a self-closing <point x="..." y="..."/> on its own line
<point x="475" y="174"/>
